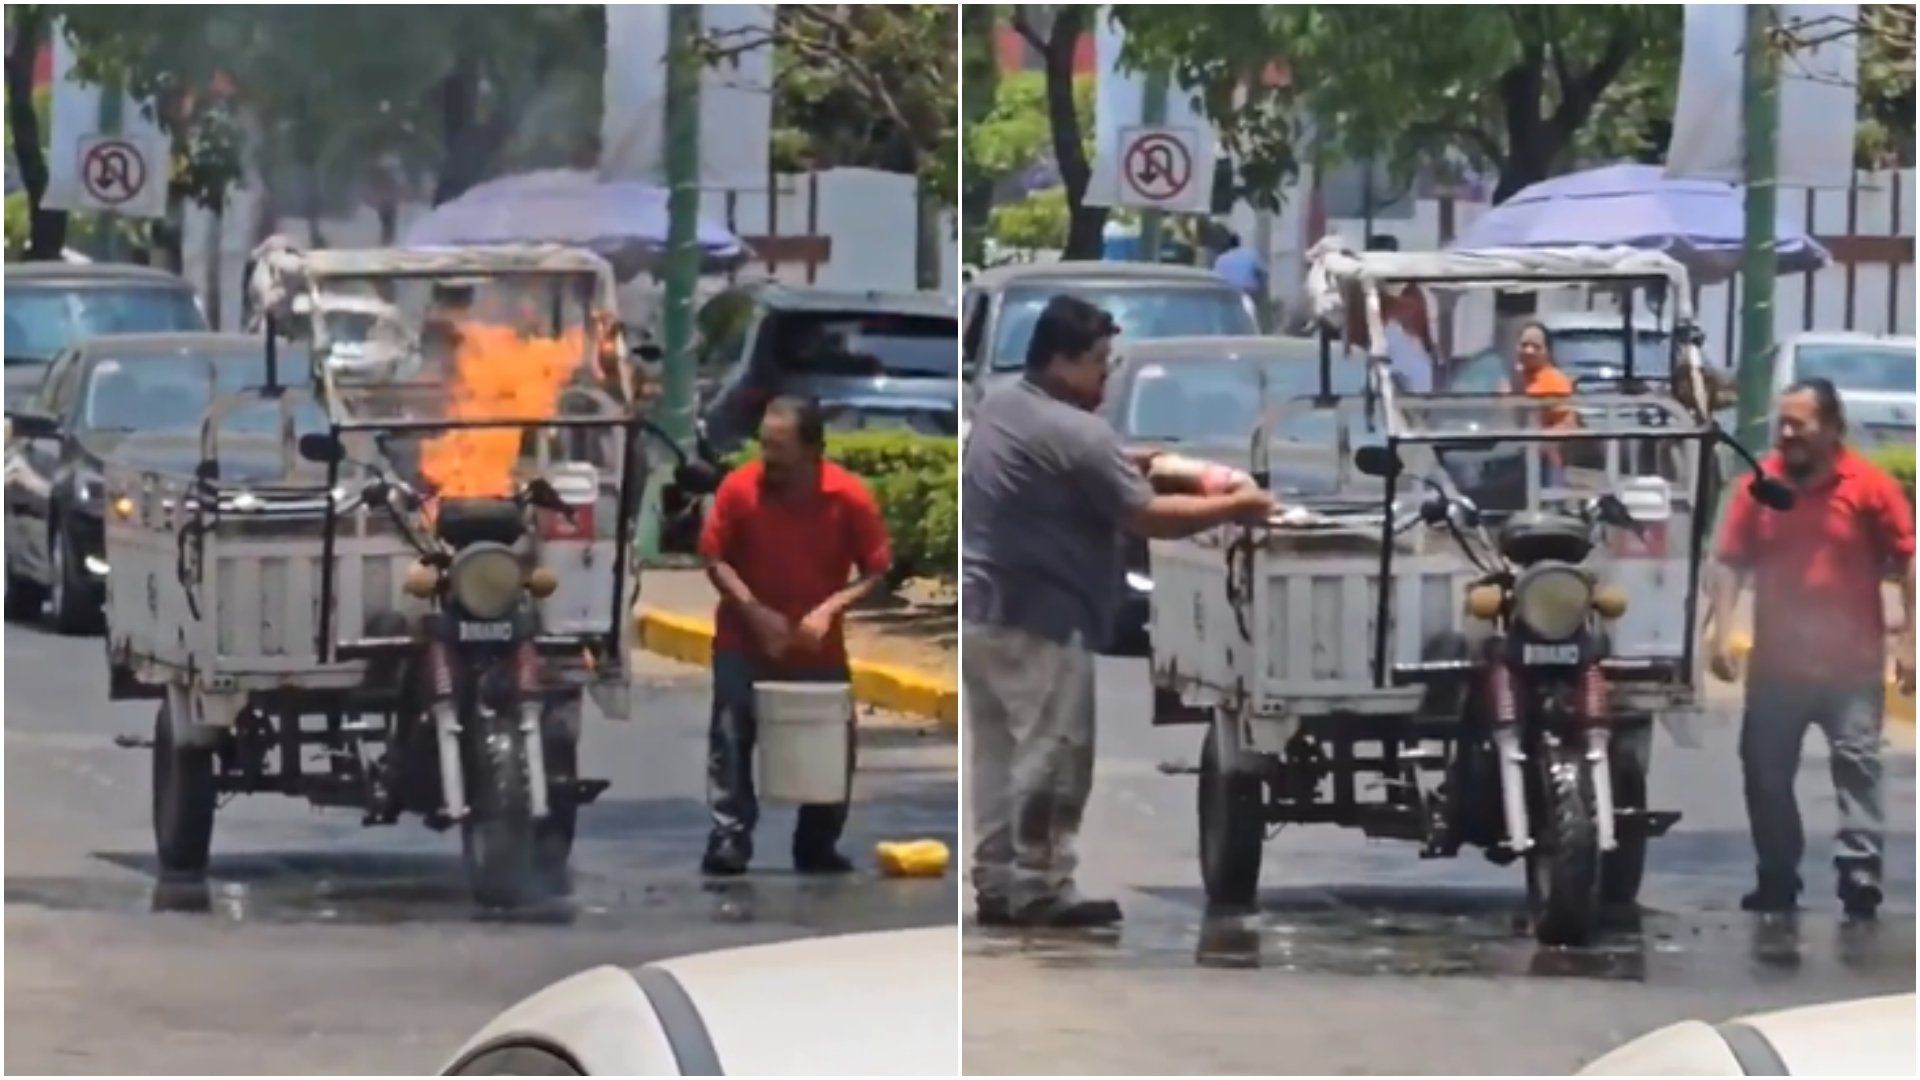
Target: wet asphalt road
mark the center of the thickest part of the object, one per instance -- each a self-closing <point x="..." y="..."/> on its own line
<point x="1363" y="958"/>
<point x="321" y="946"/>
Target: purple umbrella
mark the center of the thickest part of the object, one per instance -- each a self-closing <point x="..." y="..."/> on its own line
<point x="625" y="221"/>
<point x="1700" y="223"/>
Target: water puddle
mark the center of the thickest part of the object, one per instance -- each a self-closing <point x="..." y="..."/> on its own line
<point x="1394" y="932"/>
<point x="389" y="891"/>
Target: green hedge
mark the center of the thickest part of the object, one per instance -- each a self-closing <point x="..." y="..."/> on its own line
<point x="1897" y="461"/>
<point x="916" y="480"/>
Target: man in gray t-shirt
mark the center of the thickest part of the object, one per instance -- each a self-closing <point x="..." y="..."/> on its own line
<point x="1047" y="492"/>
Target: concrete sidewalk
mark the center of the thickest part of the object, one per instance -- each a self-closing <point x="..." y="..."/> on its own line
<point x="903" y="647"/>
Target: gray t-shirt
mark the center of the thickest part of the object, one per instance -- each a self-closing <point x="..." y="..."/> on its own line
<point x="1045" y="489"/>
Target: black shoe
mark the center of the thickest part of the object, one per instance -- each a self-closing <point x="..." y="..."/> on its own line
<point x="1068" y="914"/>
<point x="1859" y="890"/>
<point x="725" y="858"/>
<point x="1773" y="896"/>
<point x="992" y="911"/>
<point x="828" y="861"/>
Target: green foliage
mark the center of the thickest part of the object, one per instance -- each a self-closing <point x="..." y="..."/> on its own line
<point x="1037" y="221"/>
<point x="916" y="480"/>
<point x="861" y="85"/>
<point x="338" y="91"/>
<point x="1511" y="87"/>
<point x="1898" y="462"/>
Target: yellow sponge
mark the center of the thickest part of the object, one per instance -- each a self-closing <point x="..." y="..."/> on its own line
<point x="912" y="858"/>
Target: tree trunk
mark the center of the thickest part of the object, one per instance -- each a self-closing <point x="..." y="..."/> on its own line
<point x="48" y="233"/>
<point x="472" y="142"/>
<point x="1085" y="223"/>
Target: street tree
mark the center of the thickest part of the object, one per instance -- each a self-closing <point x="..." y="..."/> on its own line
<point x="868" y="85"/>
<point x="1013" y="142"/>
<point x="1515" y="88"/>
<point x="1054" y="31"/>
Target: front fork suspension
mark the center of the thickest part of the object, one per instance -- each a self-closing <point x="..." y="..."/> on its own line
<point x="1513" y="759"/>
<point x="1592" y="712"/>
<point x="446" y="732"/>
<point x="527" y="670"/>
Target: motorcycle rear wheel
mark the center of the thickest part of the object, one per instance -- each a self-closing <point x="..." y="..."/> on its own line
<point x="1563" y="872"/>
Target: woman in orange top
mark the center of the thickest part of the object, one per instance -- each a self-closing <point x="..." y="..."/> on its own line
<point x="1540" y="378"/>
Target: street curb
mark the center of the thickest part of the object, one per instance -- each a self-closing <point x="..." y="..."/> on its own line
<point x="895" y="688"/>
<point x="1899" y="706"/>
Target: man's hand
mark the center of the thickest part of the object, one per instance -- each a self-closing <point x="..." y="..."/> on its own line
<point x="770" y="628"/>
<point x="1251" y="506"/>
<point x="812" y="631"/>
<point x="1903" y="663"/>
<point x="1721" y="661"/>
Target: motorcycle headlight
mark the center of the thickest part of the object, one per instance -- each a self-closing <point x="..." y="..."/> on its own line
<point x="486" y="581"/>
<point x="1553" y="601"/>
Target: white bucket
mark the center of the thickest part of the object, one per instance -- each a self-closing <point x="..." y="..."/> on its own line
<point x="805" y="755"/>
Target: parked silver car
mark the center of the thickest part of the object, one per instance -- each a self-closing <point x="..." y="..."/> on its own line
<point x="1150" y="301"/>
<point x="1875" y="377"/>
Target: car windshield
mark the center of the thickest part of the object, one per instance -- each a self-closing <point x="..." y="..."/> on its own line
<point x="42" y="320"/>
<point x="170" y="392"/>
<point x="1221" y="399"/>
<point x="911" y="346"/>
<point x="1143" y="312"/>
<point x="1589" y="352"/>
<point x="1872" y="369"/>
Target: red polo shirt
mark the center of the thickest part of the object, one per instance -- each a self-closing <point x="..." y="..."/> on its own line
<point x="1817" y="571"/>
<point x="793" y="553"/>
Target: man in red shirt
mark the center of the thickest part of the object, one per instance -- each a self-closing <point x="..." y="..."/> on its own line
<point x="782" y="542"/>
<point x="1819" y="641"/>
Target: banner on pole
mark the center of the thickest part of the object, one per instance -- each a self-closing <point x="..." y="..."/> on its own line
<point x="736" y="96"/>
<point x="1819" y="90"/>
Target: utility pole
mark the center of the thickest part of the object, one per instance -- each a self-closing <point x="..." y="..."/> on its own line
<point x="675" y="409"/>
<point x="1153" y="113"/>
<point x="1762" y="93"/>
<point x="112" y="116"/>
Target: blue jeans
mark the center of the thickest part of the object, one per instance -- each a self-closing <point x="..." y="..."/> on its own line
<point x="1777" y="717"/>
<point x="730" y="741"/>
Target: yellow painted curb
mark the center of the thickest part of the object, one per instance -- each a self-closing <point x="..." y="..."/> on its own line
<point x="1899" y="706"/>
<point x="689" y="639"/>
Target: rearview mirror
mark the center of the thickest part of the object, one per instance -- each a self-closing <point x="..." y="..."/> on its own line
<point x="1376" y="461"/>
<point x="321" y="448"/>
<point x="1771" y="493"/>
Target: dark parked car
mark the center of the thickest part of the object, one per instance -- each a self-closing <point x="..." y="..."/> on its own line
<point x="870" y="359"/>
<point x="51" y="306"/>
<point x="96" y="394"/>
<point x="1150" y="301"/>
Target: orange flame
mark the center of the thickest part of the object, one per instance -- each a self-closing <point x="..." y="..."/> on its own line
<point x="499" y="374"/>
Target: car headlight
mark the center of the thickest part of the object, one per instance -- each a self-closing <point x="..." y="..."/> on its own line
<point x="1553" y="600"/>
<point x="486" y="581"/>
<point x="1139" y="582"/>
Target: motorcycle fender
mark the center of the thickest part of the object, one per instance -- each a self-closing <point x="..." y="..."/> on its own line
<point x="201" y="718"/>
<point x="1264" y="734"/>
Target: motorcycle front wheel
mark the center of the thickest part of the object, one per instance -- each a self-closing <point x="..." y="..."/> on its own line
<point x="1563" y="869"/>
<point x="497" y="839"/>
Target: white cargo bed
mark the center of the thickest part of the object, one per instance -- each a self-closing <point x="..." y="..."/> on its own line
<point x="1300" y="641"/>
<point x="248" y="616"/>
